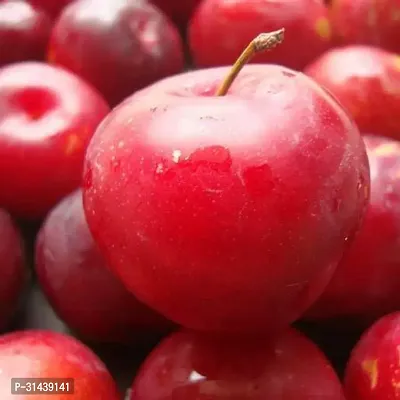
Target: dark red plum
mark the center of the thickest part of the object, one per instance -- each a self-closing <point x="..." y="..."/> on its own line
<point x="119" y="47"/>
<point x="80" y="287"/>
<point x="24" y="32"/>
<point x="13" y="274"/>
<point x="190" y="366"/>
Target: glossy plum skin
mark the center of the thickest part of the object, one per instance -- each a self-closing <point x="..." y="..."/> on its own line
<point x="372" y="372"/>
<point x="47" y="354"/>
<point x="307" y="34"/>
<point x="47" y="117"/>
<point x="189" y="366"/>
<point x="365" y="285"/>
<point x="369" y="22"/>
<point x="366" y="81"/>
<point x="24" y="32"/>
<point x="52" y="7"/>
<point x="196" y="203"/>
<point x="120" y="46"/>
<point x="179" y="11"/>
<point x="13" y="274"/>
<point x="100" y="309"/>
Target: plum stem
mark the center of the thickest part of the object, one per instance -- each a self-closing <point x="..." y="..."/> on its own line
<point x="263" y="42"/>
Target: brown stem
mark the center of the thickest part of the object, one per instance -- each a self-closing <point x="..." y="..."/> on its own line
<point x="263" y="42"/>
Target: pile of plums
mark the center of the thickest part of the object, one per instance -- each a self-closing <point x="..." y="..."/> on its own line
<point x="206" y="192"/>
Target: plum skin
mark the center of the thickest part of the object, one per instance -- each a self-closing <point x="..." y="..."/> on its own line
<point x="180" y="12"/>
<point x="308" y="32"/>
<point x="47" y="354"/>
<point x="24" y="32"/>
<point x="190" y="366"/>
<point x="369" y="22"/>
<point x="47" y="118"/>
<point x="100" y="308"/>
<point x="119" y="48"/>
<point x="372" y="372"/>
<point x="365" y="285"/>
<point x="52" y="7"/>
<point x="195" y="203"/>
<point x="366" y="81"/>
<point x="13" y="273"/>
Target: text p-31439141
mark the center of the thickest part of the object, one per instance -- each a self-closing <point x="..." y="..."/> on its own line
<point x="42" y="385"/>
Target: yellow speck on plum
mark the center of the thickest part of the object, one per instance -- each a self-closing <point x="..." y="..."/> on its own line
<point x="367" y="191"/>
<point x="387" y="149"/>
<point x="396" y="62"/>
<point x="371" y="368"/>
<point x="323" y="28"/>
<point x="395" y="14"/>
<point x="51" y="57"/>
<point x="73" y="144"/>
<point x="372" y="16"/>
<point x="335" y="6"/>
